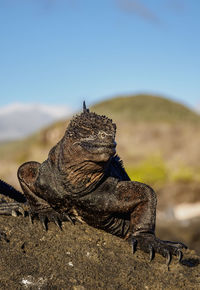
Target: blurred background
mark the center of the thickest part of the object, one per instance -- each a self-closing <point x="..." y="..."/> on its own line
<point x="135" y="61"/>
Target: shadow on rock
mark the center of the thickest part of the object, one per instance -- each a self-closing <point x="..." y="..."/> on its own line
<point x="190" y="262"/>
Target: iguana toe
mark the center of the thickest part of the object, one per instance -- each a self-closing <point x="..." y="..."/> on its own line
<point x="50" y="215"/>
<point x="151" y="253"/>
<point x="134" y="245"/>
<point x="150" y="244"/>
<point x="180" y="255"/>
<point x="11" y="208"/>
<point x="168" y="257"/>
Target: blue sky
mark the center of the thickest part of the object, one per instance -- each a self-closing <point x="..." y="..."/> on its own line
<point x="63" y="51"/>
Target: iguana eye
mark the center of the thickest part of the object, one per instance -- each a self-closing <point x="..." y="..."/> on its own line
<point x="102" y="135"/>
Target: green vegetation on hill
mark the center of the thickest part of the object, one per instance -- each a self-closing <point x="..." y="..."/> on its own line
<point x="145" y="108"/>
<point x="154" y="171"/>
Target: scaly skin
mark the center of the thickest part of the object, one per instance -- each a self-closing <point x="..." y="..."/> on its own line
<point x="84" y="179"/>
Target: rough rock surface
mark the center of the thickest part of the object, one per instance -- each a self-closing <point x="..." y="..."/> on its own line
<point x="80" y="257"/>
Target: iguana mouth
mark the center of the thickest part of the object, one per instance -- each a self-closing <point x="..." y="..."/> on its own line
<point x="100" y="147"/>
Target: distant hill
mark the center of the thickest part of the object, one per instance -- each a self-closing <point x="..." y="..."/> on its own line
<point x="146" y="108"/>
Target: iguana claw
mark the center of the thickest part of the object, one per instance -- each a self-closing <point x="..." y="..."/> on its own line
<point x="57" y="222"/>
<point x="151" y="253"/>
<point x="30" y="218"/>
<point x="14" y="213"/>
<point x="67" y="216"/>
<point x="44" y="221"/>
<point x="134" y="245"/>
<point x="168" y="257"/>
<point x="180" y="255"/>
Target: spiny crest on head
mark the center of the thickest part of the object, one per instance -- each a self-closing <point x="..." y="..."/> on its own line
<point x="85" y="110"/>
<point x="91" y="122"/>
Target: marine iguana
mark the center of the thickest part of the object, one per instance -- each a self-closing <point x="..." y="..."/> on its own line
<point x="83" y="178"/>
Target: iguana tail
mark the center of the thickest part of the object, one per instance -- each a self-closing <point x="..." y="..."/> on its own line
<point x="8" y="190"/>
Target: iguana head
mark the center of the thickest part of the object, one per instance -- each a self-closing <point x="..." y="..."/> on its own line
<point x="93" y="136"/>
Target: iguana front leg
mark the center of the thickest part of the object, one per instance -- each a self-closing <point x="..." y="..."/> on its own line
<point x="142" y="207"/>
<point x="139" y="201"/>
<point x="143" y="201"/>
<point x="142" y="223"/>
<point x="39" y="208"/>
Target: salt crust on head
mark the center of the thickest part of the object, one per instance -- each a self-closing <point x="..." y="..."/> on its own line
<point x="89" y="123"/>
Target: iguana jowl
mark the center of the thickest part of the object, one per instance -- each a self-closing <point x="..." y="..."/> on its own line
<point x="84" y="179"/>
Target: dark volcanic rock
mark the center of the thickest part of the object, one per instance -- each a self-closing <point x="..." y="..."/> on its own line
<point x="81" y="257"/>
